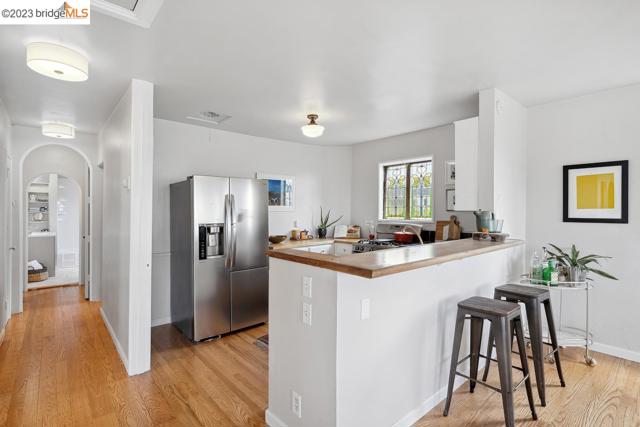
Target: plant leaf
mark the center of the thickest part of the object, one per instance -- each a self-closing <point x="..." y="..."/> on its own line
<point x="602" y="273"/>
<point x="329" y="225"/>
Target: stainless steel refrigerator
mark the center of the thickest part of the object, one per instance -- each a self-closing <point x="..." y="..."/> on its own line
<point x="219" y="266"/>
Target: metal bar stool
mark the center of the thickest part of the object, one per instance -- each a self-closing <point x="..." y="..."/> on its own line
<point x="505" y="319"/>
<point x="532" y="297"/>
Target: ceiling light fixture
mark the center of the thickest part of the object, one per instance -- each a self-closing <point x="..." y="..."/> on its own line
<point x="57" y="62"/>
<point x="58" y="130"/>
<point x="312" y="130"/>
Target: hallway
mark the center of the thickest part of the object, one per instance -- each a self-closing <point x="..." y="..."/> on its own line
<point x="58" y="366"/>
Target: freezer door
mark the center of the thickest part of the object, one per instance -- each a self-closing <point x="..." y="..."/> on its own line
<point x="249" y="234"/>
<point x="211" y="293"/>
<point x="249" y="297"/>
<point x="212" y="309"/>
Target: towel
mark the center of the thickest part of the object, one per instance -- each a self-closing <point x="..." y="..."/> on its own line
<point x="34" y="265"/>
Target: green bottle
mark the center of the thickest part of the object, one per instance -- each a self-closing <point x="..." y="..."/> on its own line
<point x="550" y="273"/>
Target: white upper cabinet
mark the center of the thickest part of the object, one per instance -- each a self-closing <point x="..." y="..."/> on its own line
<point x="466" y="157"/>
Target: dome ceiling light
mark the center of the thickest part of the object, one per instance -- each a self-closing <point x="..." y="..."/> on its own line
<point x="59" y="130"/>
<point x="57" y="62"/>
<point x="313" y="129"/>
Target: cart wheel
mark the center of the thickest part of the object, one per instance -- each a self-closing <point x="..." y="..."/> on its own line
<point x="590" y="361"/>
<point x="550" y="359"/>
<point x="528" y="344"/>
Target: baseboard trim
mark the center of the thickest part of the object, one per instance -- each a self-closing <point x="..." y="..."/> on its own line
<point x="123" y="357"/>
<point x="272" y="420"/>
<point x="2" y="335"/>
<point x="622" y="353"/>
<point x="161" y="321"/>
<point x="414" y="415"/>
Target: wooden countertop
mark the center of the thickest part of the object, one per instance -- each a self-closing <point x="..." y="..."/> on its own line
<point x="290" y="244"/>
<point x="390" y="261"/>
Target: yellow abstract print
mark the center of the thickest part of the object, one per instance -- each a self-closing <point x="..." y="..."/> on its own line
<point x="595" y="191"/>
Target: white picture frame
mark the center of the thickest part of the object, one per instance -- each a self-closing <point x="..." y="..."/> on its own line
<point x="287" y="183"/>
<point x="450" y="172"/>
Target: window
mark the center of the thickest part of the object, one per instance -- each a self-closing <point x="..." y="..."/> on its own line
<point x="280" y="190"/>
<point x="406" y="191"/>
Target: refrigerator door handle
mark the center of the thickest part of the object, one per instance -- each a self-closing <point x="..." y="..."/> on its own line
<point x="228" y="232"/>
<point x="234" y="224"/>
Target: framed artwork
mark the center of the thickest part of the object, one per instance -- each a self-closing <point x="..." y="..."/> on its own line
<point x="596" y="192"/>
<point x="451" y="199"/>
<point x="281" y="190"/>
<point x="450" y="172"/>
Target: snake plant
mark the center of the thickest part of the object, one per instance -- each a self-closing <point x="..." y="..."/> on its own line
<point x="573" y="260"/>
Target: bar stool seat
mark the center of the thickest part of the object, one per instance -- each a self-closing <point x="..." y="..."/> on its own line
<point x="532" y="297"/>
<point x="505" y="319"/>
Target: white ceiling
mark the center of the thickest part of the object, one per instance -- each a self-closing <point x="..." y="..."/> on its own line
<point x="369" y="68"/>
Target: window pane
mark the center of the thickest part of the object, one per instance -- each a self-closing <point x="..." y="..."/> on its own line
<point x="396" y="192"/>
<point x="420" y="177"/>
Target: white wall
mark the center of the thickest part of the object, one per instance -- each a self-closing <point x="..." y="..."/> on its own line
<point x="502" y="166"/>
<point x="126" y="143"/>
<point x="5" y="217"/>
<point x="322" y="178"/>
<point x="26" y="140"/>
<point x="437" y="142"/>
<point x="599" y="127"/>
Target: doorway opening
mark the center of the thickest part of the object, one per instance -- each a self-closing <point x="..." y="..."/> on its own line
<point x="54" y="230"/>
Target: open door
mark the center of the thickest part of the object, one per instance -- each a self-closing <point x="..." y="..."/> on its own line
<point x="86" y="238"/>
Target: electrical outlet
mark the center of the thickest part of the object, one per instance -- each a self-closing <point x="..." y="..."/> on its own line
<point x="365" y="309"/>
<point x="307" y="290"/>
<point x="296" y="404"/>
<point x="306" y="313"/>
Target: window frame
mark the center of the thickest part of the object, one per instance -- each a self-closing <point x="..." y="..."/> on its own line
<point x="382" y="189"/>
<point x="276" y="177"/>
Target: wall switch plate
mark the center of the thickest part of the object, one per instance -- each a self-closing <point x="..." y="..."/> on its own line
<point x="296" y="404"/>
<point x="307" y="290"/>
<point x="365" y="309"/>
<point x="306" y="313"/>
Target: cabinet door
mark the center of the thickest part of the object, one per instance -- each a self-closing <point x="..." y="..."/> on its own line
<point x="343" y="249"/>
<point x="466" y="158"/>
<point x="322" y="249"/>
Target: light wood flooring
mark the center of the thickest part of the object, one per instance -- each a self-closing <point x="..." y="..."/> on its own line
<point x="58" y="367"/>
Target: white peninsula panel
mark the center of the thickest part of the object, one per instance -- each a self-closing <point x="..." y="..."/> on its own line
<point x="377" y="351"/>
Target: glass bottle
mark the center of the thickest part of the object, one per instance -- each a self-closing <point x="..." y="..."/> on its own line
<point x="536" y="267"/>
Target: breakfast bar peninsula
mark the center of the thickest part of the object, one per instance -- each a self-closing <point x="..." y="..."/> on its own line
<point x="365" y="339"/>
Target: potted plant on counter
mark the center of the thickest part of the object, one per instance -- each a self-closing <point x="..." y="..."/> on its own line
<point x="578" y="266"/>
<point x="325" y="224"/>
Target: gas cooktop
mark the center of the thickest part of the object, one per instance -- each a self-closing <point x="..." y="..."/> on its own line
<point x="376" y="245"/>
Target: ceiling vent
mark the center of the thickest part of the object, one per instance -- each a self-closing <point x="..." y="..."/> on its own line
<point x="210" y="117"/>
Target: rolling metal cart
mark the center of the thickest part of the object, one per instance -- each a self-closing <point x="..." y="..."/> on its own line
<point x="568" y="336"/>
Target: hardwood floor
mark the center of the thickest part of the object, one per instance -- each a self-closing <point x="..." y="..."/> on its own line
<point x="58" y="367"/>
<point x="605" y="395"/>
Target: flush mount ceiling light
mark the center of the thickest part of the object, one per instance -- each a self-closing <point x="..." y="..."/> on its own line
<point x="312" y="130"/>
<point x="59" y="130"/>
<point x="57" y="62"/>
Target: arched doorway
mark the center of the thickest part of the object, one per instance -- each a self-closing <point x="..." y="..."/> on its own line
<point x="54" y="228"/>
<point x="67" y="161"/>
